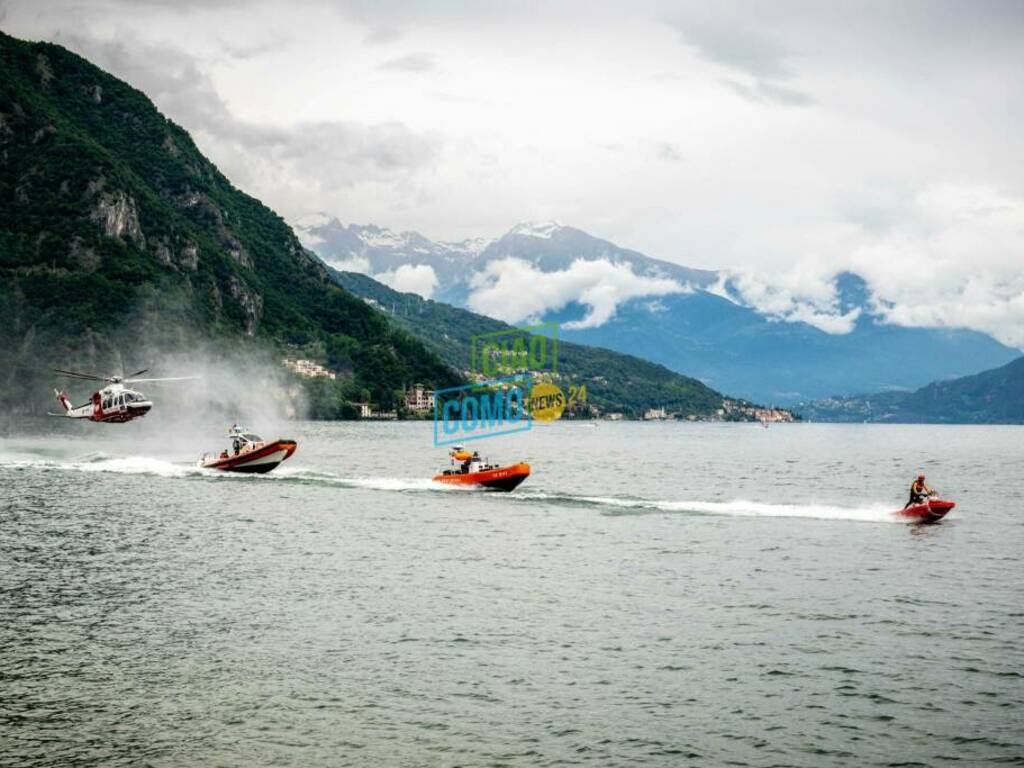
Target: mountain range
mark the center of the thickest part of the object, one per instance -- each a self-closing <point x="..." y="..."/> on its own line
<point x="990" y="397"/>
<point x="692" y="321"/>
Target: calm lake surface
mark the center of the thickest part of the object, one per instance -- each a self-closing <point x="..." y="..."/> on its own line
<point x="655" y="594"/>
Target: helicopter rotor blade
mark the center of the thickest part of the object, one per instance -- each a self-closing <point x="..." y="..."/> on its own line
<point x="137" y="373"/>
<point x="77" y="375"/>
<point x="172" y="378"/>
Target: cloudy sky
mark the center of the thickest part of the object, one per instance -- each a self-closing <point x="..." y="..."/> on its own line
<point x="786" y="140"/>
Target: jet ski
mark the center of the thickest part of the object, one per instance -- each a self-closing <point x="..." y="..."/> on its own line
<point x="470" y="470"/>
<point x="928" y="511"/>
<point x="249" y="453"/>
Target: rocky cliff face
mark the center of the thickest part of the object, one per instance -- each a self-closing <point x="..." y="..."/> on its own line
<point x="116" y="230"/>
<point x="117" y="216"/>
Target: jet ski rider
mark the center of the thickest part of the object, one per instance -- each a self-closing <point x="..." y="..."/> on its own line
<point x="919" y="492"/>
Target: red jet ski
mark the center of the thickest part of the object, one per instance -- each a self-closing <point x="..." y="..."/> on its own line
<point x="930" y="511"/>
<point x="249" y="453"/>
<point x="470" y="470"/>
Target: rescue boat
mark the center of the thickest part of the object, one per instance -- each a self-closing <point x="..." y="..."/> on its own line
<point x="930" y="511"/>
<point x="249" y="453"/>
<point x="470" y="470"/>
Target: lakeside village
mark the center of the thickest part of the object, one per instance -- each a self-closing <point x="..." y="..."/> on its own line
<point x="419" y="403"/>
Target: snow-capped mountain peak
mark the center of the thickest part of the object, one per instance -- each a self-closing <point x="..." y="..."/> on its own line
<point x="539" y="229"/>
<point x="381" y="237"/>
<point x="474" y="246"/>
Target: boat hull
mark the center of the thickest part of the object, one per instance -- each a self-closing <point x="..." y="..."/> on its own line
<point x="257" y="462"/>
<point x="500" y="479"/>
<point x="928" y="512"/>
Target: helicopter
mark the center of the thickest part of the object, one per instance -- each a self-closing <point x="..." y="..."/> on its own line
<point x="116" y="403"/>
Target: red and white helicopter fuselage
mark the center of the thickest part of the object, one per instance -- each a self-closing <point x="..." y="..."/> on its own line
<point x="114" y="404"/>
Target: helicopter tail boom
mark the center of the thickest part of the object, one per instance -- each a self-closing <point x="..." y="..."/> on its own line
<point x="62" y="398"/>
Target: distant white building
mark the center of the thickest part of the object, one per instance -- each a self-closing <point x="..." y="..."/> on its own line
<point x="307" y="368"/>
<point x="366" y="412"/>
<point x="655" y="414"/>
<point x="419" y="399"/>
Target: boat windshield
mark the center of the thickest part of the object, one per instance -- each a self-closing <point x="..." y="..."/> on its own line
<point x="252" y="438"/>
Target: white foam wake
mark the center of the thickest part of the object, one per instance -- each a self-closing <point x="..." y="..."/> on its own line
<point x="876" y="512"/>
<point x="740" y="507"/>
<point x="148" y="465"/>
<point x="121" y="465"/>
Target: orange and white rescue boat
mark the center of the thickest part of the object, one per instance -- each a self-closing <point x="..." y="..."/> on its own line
<point x="468" y="469"/>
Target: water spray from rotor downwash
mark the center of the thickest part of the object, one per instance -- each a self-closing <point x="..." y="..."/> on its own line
<point x="248" y="387"/>
<point x="242" y="385"/>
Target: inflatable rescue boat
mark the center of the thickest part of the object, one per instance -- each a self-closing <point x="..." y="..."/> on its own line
<point x="470" y="470"/>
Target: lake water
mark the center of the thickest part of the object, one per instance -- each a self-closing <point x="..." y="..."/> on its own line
<point x="655" y="594"/>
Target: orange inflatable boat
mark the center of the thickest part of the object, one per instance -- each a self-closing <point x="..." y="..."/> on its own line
<point x="470" y="470"/>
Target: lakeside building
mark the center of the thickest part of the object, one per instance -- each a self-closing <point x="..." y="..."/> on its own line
<point x="366" y="412"/>
<point x="419" y="399"/>
<point x="307" y="368"/>
<point x="732" y="410"/>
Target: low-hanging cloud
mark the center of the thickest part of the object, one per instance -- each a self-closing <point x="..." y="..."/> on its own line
<point x="411" y="278"/>
<point x="958" y="265"/>
<point x="359" y="264"/>
<point x="954" y="261"/>
<point x="514" y="290"/>
<point x="791" y="298"/>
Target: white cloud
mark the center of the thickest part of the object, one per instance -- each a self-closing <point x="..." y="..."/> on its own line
<point x="514" y="290"/>
<point x="958" y="262"/>
<point x="359" y="264"/>
<point x="793" y="297"/>
<point x="411" y="278"/>
<point x="407" y="278"/>
<point x="954" y="258"/>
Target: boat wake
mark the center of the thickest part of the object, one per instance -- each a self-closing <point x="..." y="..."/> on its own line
<point x="99" y="462"/>
<point x="608" y="505"/>
<point x="149" y="465"/>
<point x="615" y="505"/>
